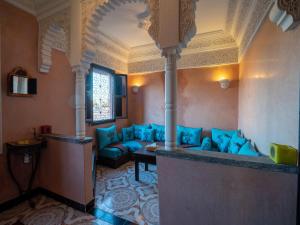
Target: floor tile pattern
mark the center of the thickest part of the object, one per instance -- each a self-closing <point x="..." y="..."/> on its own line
<point x="47" y="212"/>
<point x="118" y="193"/>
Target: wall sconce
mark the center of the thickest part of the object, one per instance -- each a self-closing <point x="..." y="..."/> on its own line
<point x="135" y="89"/>
<point x="224" y="83"/>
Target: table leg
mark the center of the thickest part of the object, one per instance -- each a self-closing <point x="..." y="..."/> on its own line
<point x="146" y="166"/>
<point x="137" y="170"/>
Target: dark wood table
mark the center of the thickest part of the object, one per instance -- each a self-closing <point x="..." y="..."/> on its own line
<point x="143" y="156"/>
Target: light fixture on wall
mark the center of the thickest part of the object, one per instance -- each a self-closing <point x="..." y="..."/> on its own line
<point x="135" y="89"/>
<point x="224" y="83"/>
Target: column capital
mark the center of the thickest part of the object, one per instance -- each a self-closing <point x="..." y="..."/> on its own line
<point x="171" y="51"/>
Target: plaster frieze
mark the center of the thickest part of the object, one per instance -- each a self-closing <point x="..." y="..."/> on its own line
<point x="260" y="11"/>
<point x="244" y="17"/>
<point x="104" y="59"/>
<point x="92" y="14"/>
<point x="201" y="59"/>
<point x="200" y="43"/>
<point x="54" y="33"/>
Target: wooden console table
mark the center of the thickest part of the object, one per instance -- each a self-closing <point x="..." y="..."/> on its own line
<point x="32" y="149"/>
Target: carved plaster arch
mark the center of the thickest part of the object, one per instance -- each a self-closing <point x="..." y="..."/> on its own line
<point x="92" y="13"/>
<point x="53" y="38"/>
<point x="54" y="33"/>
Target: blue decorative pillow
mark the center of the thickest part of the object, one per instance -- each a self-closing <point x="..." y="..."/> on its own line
<point x="138" y="129"/>
<point x="190" y="136"/>
<point x="148" y="135"/>
<point x="128" y="134"/>
<point x="223" y="143"/>
<point x="248" y="149"/>
<point x="216" y="133"/>
<point x="206" y="144"/>
<point x="106" y="136"/>
<point x="159" y="132"/>
<point x="236" y="143"/>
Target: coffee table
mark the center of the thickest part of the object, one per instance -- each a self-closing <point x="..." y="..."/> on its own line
<point x="143" y="156"/>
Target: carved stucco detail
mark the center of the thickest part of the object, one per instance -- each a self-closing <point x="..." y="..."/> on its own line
<point x="286" y="14"/>
<point x="54" y="33"/>
<point x="200" y="43"/>
<point x="187" y="26"/>
<point x="153" y="8"/>
<point x="259" y="12"/>
<point x="244" y="17"/>
<point x="104" y="59"/>
<point x="292" y="7"/>
<point x="92" y="14"/>
<point x="217" y="57"/>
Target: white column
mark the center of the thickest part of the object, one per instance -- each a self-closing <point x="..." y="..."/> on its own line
<point x="79" y="101"/>
<point x="170" y="97"/>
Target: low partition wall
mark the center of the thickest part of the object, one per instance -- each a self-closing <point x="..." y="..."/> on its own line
<point x="66" y="168"/>
<point x="218" y="188"/>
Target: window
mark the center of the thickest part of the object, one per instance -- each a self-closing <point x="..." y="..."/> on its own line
<point x="121" y="100"/>
<point x="106" y="95"/>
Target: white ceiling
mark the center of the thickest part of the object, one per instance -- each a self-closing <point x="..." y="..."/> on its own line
<point x="211" y="15"/>
<point x="123" y="24"/>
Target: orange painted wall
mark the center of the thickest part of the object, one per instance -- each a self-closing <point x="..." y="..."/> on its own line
<point x="201" y="101"/>
<point x="52" y="105"/>
<point x="269" y="87"/>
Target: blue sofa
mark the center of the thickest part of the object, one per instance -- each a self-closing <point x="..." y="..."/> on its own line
<point x="116" y="149"/>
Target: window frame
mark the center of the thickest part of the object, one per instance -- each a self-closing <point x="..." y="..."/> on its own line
<point x="121" y="96"/>
<point x="89" y="98"/>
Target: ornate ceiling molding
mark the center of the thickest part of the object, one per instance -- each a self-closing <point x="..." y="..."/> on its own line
<point x="286" y="14"/>
<point x="54" y="33"/>
<point x="200" y="43"/>
<point x="201" y="59"/>
<point x="92" y="14"/>
<point x="244" y="17"/>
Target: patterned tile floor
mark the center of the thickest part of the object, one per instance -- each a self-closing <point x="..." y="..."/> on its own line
<point x="118" y="193"/>
<point x="47" y="212"/>
<point x="118" y="198"/>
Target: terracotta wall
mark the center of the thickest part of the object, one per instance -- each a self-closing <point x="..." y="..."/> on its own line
<point x="221" y="194"/>
<point x="269" y="87"/>
<point x="54" y="103"/>
<point x="66" y="165"/>
<point x="201" y="101"/>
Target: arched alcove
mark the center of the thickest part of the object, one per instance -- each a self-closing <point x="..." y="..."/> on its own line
<point x="93" y="36"/>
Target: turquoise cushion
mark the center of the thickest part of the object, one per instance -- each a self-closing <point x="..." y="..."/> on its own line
<point x="148" y="135"/>
<point x="159" y="132"/>
<point x="190" y="136"/>
<point x="138" y="128"/>
<point x="112" y="153"/>
<point x="206" y="144"/>
<point x="106" y="136"/>
<point x="223" y="144"/>
<point x="216" y="133"/>
<point x="128" y="133"/>
<point x="248" y="149"/>
<point x="195" y="148"/>
<point x="132" y="145"/>
<point x="236" y="143"/>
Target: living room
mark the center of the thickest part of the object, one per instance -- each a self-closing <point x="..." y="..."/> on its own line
<point x="212" y="84"/>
